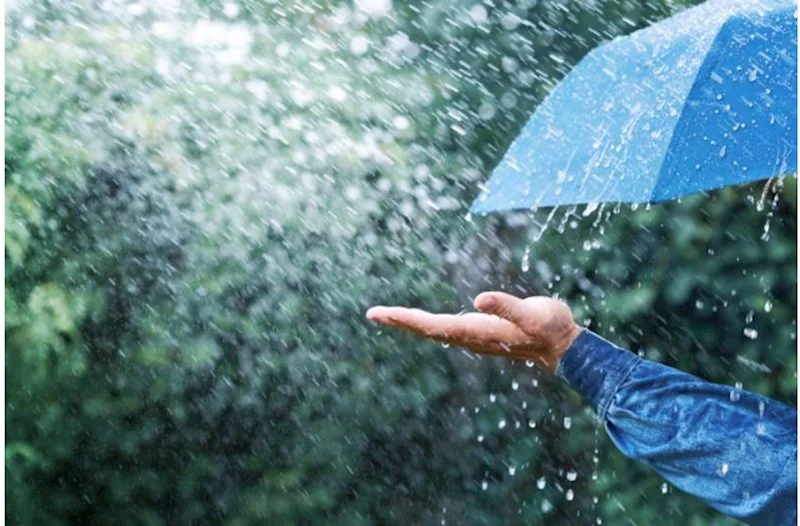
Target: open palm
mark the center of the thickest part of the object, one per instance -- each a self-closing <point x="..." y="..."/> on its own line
<point x="536" y="328"/>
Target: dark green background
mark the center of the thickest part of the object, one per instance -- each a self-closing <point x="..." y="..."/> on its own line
<point x="193" y="235"/>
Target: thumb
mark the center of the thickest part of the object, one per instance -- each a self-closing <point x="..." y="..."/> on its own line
<point x="513" y="309"/>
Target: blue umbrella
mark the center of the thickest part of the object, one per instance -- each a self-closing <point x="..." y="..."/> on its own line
<point x="702" y="100"/>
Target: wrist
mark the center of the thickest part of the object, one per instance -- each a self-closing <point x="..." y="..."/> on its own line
<point x="562" y="346"/>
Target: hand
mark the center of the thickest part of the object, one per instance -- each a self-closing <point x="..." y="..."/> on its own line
<point x="536" y="328"/>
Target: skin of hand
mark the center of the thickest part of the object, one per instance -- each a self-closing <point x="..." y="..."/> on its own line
<point x="537" y="328"/>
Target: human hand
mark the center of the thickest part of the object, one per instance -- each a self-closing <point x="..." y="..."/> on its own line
<point x="536" y="328"/>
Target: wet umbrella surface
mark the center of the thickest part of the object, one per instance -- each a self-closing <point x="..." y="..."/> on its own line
<point x="705" y="99"/>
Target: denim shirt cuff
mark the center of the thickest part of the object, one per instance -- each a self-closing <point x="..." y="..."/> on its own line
<point x="596" y="368"/>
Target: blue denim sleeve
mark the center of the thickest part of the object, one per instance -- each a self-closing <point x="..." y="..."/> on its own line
<point x="734" y="449"/>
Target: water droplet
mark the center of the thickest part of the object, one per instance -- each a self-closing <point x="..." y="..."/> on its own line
<point x="531" y="424"/>
<point x="590" y="208"/>
<point x="484" y="485"/>
<point x="664" y="487"/>
<point x="501" y="424"/>
<point x="567" y="422"/>
<point x="723" y="469"/>
<point x="541" y="483"/>
<point x="572" y="476"/>
<point x="723" y="151"/>
<point x="526" y="260"/>
<point x="737" y="392"/>
<point x="492" y="397"/>
<point x="512" y="470"/>
<point x="570" y="494"/>
<point x="480" y="438"/>
<point x="514" y="385"/>
<point x="751" y="333"/>
<point x="768" y="306"/>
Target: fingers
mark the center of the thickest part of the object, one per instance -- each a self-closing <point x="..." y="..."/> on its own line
<point x="511" y="308"/>
<point x="466" y="330"/>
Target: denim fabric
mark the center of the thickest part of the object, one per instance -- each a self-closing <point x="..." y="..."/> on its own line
<point x="734" y="449"/>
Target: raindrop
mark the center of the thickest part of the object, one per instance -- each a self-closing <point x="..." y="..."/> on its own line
<point x="723" y="469"/>
<point x="590" y="208"/>
<point x="531" y="424"/>
<point x="664" y="487"/>
<point x="751" y="333"/>
<point x="478" y="14"/>
<point x="480" y="438"/>
<point x="501" y="424"/>
<point x="570" y="494"/>
<point x="514" y="385"/>
<point x="768" y="306"/>
<point x="512" y="470"/>
<point x="567" y="422"/>
<point x="572" y="475"/>
<point x="484" y="485"/>
<point x="737" y="392"/>
<point x="541" y="483"/>
<point x="526" y="260"/>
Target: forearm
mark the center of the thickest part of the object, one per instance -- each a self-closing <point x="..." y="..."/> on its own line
<point x="734" y="449"/>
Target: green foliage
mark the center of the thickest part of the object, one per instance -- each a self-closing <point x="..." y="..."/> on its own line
<point x="199" y="210"/>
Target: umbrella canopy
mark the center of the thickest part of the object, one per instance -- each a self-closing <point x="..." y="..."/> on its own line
<point x="702" y="100"/>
